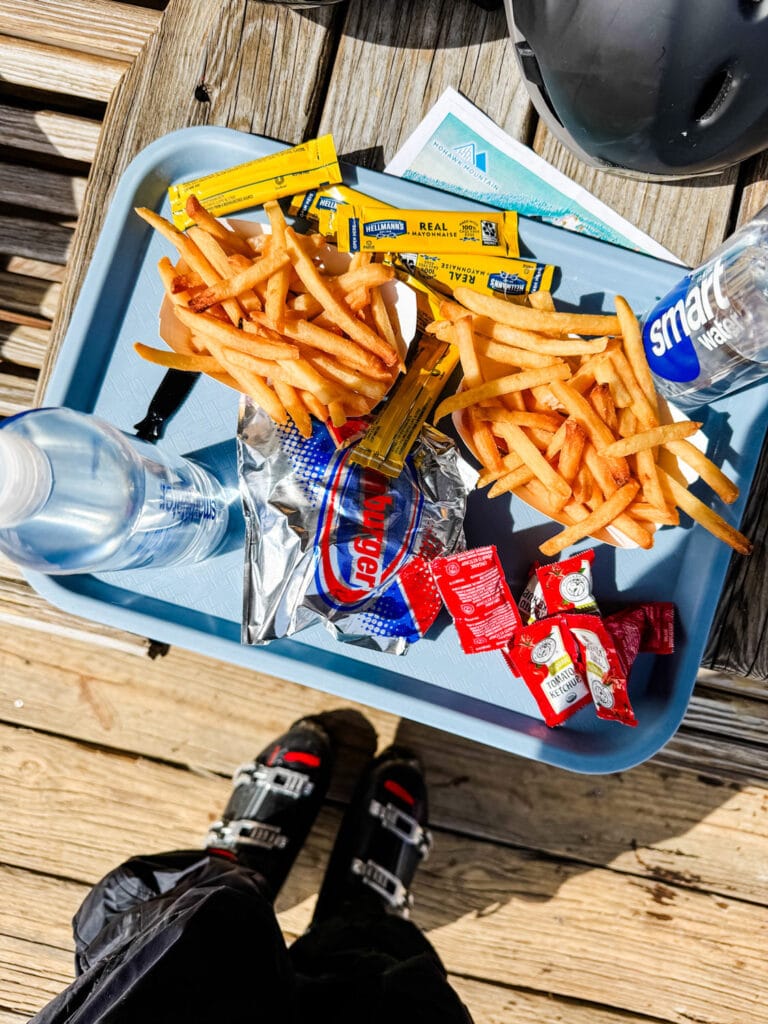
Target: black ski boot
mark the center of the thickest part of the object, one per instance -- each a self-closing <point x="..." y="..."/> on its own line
<point x="275" y="801"/>
<point x="382" y="839"/>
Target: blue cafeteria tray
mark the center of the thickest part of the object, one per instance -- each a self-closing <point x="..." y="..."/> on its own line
<point x="198" y="607"/>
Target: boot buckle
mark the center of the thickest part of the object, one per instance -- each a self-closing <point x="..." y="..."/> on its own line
<point x="245" y="832"/>
<point x="403" y="825"/>
<point x="275" y="779"/>
<point x="387" y="885"/>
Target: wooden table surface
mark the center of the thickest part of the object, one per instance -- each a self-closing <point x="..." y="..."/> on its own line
<point x="552" y="898"/>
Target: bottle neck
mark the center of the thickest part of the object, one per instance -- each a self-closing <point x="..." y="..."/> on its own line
<point x="25" y="479"/>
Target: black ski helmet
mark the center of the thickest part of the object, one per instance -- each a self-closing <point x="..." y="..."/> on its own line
<point x="664" y="88"/>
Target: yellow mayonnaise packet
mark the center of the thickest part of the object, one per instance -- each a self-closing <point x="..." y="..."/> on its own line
<point x="394" y="430"/>
<point x="320" y="205"/>
<point x="299" y="168"/>
<point x="492" y="275"/>
<point x="364" y="229"/>
<point x="428" y="301"/>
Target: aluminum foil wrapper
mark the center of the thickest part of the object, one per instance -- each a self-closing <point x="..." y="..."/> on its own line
<point x="328" y="541"/>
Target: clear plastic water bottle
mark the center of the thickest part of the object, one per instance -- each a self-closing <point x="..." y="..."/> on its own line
<point x="709" y="335"/>
<point x="78" y="495"/>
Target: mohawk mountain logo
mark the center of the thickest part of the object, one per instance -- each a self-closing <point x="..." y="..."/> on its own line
<point x="468" y="153"/>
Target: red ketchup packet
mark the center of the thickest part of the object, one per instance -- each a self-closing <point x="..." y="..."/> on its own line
<point x="626" y="631"/>
<point x="531" y="603"/>
<point x="602" y="667"/>
<point x="659" y="632"/>
<point x="649" y="628"/>
<point x="545" y="654"/>
<point x="475" y="592"/>
<point x="566" y="586"/>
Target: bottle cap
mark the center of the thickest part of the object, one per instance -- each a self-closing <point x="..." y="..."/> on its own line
<point x="25" y="478"/>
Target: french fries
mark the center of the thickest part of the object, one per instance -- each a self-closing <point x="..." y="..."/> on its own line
<point x="559" y="408"/>
<point x="267" y="318"/>
<point x="577" y="430"/>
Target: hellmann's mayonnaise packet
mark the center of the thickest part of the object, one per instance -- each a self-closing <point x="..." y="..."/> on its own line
<point x="371" y="229"/>
<point x="493" y="275"/>
<point x="299" y="168"/>
<point x="320" y="205"/>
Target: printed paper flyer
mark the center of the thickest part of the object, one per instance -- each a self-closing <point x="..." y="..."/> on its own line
<point x="458" y="149"/>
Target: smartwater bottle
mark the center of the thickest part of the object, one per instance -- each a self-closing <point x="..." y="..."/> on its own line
<point x="709" y="335"/>
<point x="78" y="495"/>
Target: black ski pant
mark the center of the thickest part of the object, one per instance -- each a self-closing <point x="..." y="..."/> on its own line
<point x="188" y="937"/>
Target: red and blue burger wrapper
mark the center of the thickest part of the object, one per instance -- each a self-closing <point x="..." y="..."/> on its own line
<point x="331" y="542"/>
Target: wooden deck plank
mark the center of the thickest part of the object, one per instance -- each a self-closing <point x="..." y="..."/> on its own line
<point x="30" y="977"/>
<point x="118" y="809"/>
<point x="35" y="239"/>
<point x="56" y="70"/>
<point x="102" y="27"/>
<point x="22" y="344"/>
<point x="42" y="624"/>
<point x="247" y="91"/>
<point x="716" y="758"/>
<point x="653" y="821"/>
<point x="38" y="189"/>
<point x="754" y="187"/>
<point x="458" y="45"/>
<point x="737" y="640"/>
<point x="496" y="1004"/>
<point x="33" y="267"/>
<point x="38" y="909"/>
<point x="640" y="947"/>
<point x="29" y="295"/>
<point x="729" y="682"/>
<point x="729" y="716"/>
<point x="36" y="958"/>
<point x="674" y="954"/>
<point x="48" y="133"/>
<point x="17" y="393"/>
<point x="36" y="947"/>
